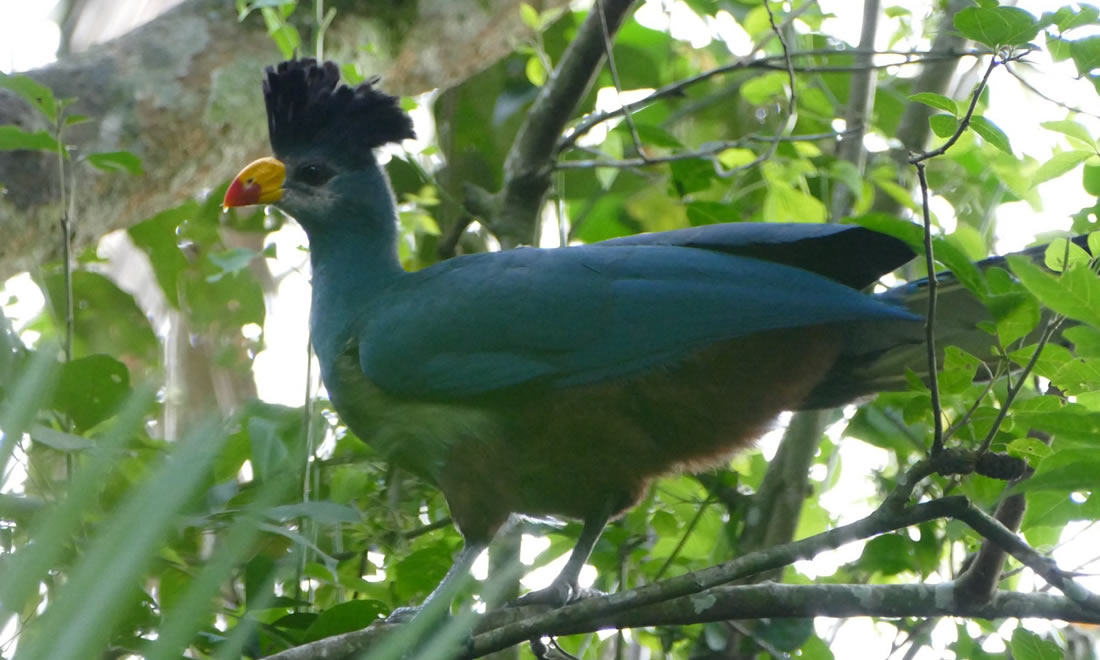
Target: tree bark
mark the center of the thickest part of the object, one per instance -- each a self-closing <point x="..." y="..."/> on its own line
<point x="182" y="92"/>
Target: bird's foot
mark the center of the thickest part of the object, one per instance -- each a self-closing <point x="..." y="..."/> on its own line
<point x="558" y="594"/>
<point x="403" y="614"/>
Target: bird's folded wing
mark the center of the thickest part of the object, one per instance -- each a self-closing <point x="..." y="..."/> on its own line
<point x="584" y="315"/>
<point x="849" y="254"/>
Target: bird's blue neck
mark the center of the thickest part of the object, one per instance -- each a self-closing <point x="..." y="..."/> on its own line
<point x="352" y="262"/>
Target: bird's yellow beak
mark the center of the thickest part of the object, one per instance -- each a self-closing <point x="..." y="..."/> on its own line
<point x="260" y="182"/>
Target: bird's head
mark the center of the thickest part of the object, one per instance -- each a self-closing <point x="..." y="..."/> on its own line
<point x="322" y="134"/>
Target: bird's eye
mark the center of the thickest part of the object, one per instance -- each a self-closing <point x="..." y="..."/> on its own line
<point x="313" y="174"/>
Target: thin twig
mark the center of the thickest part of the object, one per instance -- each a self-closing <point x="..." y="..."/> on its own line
<point x="930" y="317"/>
<point x="964" y="123"/>
<point x="786" y="56"/>
<point x="614" y="70"/>
<point x="307" y="433"/>
<point x="66" y="236"/>
<point x="1021" y="380"/>
<point x="703" y="152"/>
<point x="683" y="538"/>
<point x="962" y="421"/>
<point x="1036" y="91"/>
<point x="918" y="161"/>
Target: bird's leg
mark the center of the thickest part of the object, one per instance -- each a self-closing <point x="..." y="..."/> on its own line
<point x="564" y="589"/>
<point x="443" y="595"/>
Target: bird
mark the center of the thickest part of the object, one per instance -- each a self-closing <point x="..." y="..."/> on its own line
<point x="562" y="381"/>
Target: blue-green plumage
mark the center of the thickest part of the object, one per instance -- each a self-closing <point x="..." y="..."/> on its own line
<point x="580" y="315"/>
<point x="562" y="381"/>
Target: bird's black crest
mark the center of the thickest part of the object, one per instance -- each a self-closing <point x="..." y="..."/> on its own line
<point x="307" y="108"/>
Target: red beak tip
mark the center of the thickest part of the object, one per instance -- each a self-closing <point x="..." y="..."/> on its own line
<point x="235" y="195"/>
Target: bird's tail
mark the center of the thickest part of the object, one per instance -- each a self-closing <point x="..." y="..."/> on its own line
<point x="879" y="356"/>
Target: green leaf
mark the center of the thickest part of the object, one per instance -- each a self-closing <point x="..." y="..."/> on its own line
<point x="1075" y="294"/>
<point x="1086" y="54"/>
<point x="92" y="389"/>
<point x="13" y="137"/>
<point x="345" y="617"/>
<point x="888" y="554"/>
<point x="1059" y="49"/>
<point x="657" y="136"/>
<point x="1026" y="645"/>
<point x="784" y="634"/>
<point x="943" y="126"/>
<point x="991" y="133"/>
<point x="664" y="524"/>
<point x="1072" y="374"/>
<point x="1067" y="19"/>
<point x="997" y="26"/>
<point x="958" y="262"/>
<point x="764" y="89"/>
<point x="1015" y="312"/>
<point x="1085" y="339"/>
<point x="284" y="34"/>
<point x="937" y="101"/>
<point x="59" y="440"/>
<point x="1082" y="475"/>
<point x="269" y="454"/>
<point x="529" y="15"/>
<point x="785" y="203"/>
<point x="736" y="157"/>
<point x="116" y="161"/>
<point x="1059" y="164"/>
<point x="121" y="551"/>
<point x="231" y="261"/>
<point x="1062" y="253"/>
<point x="708" y="213"/>
<point x="1073" y="130"/>
<point x="419" y="572"/>
<point x="1029" y="449"/>
<point x="157" y="237"/>
<point x="38" y="95"/>
<point x="847" y="173"/>
<point x="958" y="371"/>
<point x="221" y="299"/>
<point x="106" y="318"/>
<point x="536" y="72"/>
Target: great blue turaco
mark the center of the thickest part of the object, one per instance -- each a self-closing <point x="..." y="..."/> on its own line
<point x="561" y="382"/>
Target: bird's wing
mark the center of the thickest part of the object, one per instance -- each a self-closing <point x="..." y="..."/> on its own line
<point x="849" y="254"/>
<point x="582" y="315"/>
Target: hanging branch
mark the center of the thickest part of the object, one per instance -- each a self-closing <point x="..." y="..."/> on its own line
<point x="529" y="163"/>
<point x="930" y="260"/>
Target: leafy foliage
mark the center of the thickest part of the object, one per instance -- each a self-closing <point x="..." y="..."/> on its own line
<point x="265" y="527"/>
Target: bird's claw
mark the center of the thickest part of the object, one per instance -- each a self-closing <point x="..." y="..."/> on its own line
<point x="402" y="614"/>
<point x="558" y="594"/>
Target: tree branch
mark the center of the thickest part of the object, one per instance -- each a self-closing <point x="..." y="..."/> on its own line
<point x="494" y="630"/>
<point x="703" y="595"/>
<point x="529" y="163"/>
